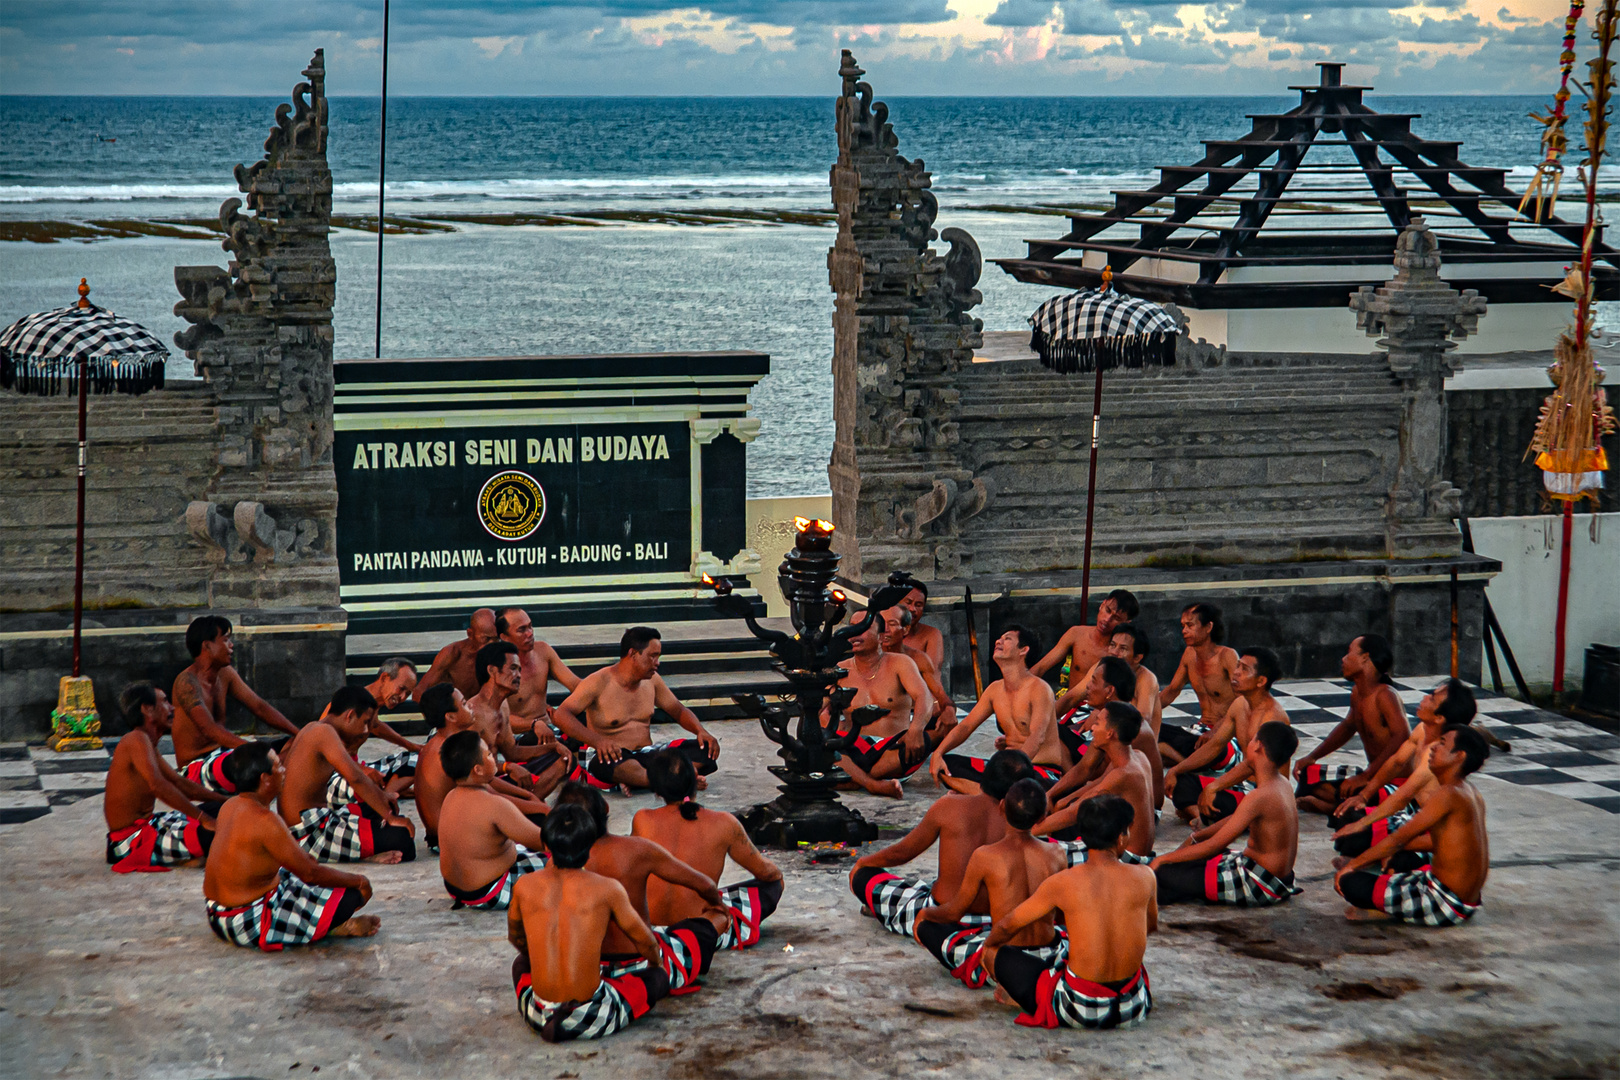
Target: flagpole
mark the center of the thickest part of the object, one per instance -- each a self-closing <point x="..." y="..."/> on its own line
<point x="382" y="164"/>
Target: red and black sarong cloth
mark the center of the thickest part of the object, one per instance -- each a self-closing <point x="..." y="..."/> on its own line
<point x="1051" y="995"/>
<point x="1228" y="878"/>
<point x="157" y="843"/>
<point x="497" y="895"/>
<point x="626" y="993"/>
<point x="590" y="769"/>
<point x="972" y="768"/>
<point x="293" y="913"/>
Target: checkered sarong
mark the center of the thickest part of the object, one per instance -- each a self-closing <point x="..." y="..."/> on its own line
<point x="618" y="1000"/>
<point x="896" y="901"/>
<point x="599" y="774"/>
<point x="750" y="904"/>
<point x="1233" y="878"/>
<point x="497" y="895"/>
<point x="293" y="913"/>
<point x="339" y="792"/>
<point x="963" y="946"/>
<point x="155" y="843"/>
<point x="1324" y="774"/>
<point x="1066" y="1000"/>
<point x="1418" y="897"/>
<point x="1077" y="852"/>
<point x="209" y="772"/>
<point x="341" y="835"/>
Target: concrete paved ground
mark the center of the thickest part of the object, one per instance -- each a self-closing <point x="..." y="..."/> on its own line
<point x="105" y="975"/>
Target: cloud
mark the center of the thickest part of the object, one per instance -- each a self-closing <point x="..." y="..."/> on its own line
<point x="1021" y="13"/>
<point x="1090" y="17"/>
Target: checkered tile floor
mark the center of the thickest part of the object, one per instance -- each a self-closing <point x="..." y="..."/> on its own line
<point x="1562" y="756"/>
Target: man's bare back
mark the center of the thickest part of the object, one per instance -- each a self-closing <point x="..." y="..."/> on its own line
<point x="1008" y="872"/>
<point x="559" y="920"/>
<point x="479" y="832"/>
<point x="1109" y="908"/>
<point x="960" y="824"/>
<point x="631" y="860"/>
<point x="703" y="844"/>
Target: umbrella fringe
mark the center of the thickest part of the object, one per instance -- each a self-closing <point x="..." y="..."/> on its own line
<point x="1088" y="354"/>
<point x="135" y="374"/>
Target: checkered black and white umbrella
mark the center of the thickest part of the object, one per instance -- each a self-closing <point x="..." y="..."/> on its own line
<point x="1091" y="330"/>
<point x="41" y="354"/>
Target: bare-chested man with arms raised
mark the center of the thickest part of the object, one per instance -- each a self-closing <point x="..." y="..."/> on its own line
<point x="1208" y="666"/>
<point x="455" y="663"/>
<point x="1082" y="646"/>
<point x="138" y="840"/>
<point x="1208" y="784"/>
<point x="546" y="762"/>
<point x="609" y="716"/>
<point x="919" y="635"/>
<point x="539" y="664"/>
<point x="1024" y="709"/>
<point x="263" y="890"/>
<point x="702" y="839"/>
<point x="960" y="824"/>
<point x="1109" y="910"/>
<point x="200" y="695"/>
<point x="896" y="745"/>
<point x="485" y="843"/>
<point x="1376" y="714"/>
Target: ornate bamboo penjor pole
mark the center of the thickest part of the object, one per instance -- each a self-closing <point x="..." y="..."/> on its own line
<point x="1554" y="144"/>
<point x="1576" y="415"/>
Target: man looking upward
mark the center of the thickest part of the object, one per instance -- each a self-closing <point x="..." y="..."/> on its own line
<point x="201" y="693"/>
<point x="1022" y="706"/>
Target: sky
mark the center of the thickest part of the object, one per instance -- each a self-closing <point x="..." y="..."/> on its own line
<point x="777" y="47"/>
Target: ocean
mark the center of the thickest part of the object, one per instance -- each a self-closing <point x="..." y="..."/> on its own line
<point x="645" y="275"/>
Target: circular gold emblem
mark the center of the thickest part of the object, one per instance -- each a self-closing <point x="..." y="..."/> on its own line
<point x="511" y="505"/>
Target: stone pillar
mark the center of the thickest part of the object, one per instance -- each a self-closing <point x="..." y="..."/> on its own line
<point x="1421" y="319"/>
<point x="901" y="333"/>
<point x="261" y="335"/>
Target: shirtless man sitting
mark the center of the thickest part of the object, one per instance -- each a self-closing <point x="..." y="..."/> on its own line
<point x="370" y="830"/>
<point x="1377" y="811"/>
<point x="1009" y="871"/>
<point x="896" y="624"/>
<point x="545" y="761"/>
<point x="1444" y="888"/>
<point x="1109" y="910"/>
<point x="919" y="635"/>
<point x="138" y="840"/>
<point x="454" y="663"/>
<point x="687" y="945"/>
<point x="396" y="772"/>
<point x="539" y="665"/>
<point x="1202" y="797"/>
<point x="485" y="843"/>
<point x="1202" y="868"/>
<point x="446" y="713"/>
<point x="1114" y="728"/>
<point x="1023" y="708"/>
<point x="1208" y="666"/>
<point x="1130" y="644"/>
<point x="201" y="693"/>
<point x="1376" y="714"/>
<point x="609" y="715"/>
<point x="263" y="890"/>
<point x="1082" y="646"/>
<point x="961" y="824"/>
<point x="702" y="838"/>
<point x="1110" y="679"/>
<point x="557" y="922"/>
<point x="894" y="746"/>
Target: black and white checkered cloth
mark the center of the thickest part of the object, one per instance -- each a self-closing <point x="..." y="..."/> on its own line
<point x="340" y="835"/>
<point x="1081" y="331"/>
<point x="1234" y="878"/>
<point x="750" y="904"/>
<point x="1418" y="897"/>
<point x="1076" y="851"/>
<point x="40" y="354"/>
<point x="688" y="947"/>
<point x="498" y="896"/>
<point x="167" y="837"/>
<point x="895" y="900"/>
<point x="618" y="1000"/>
<point x="339" y="792"/>
<point x="293" y="913"/>
<point x="1064" y="999"/>
<point x="963" y="946"/>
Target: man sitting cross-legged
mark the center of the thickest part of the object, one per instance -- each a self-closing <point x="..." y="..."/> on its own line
<point x="1404" y="781"/>
<point x="1114" y="728"/>
<point x="687" y="945"/>
<point x="1110" y="680"/>
<point x="138" y="840"/>
<point x="896" y="624"/>
<point x="557" y="922"/>
<point x="540" y="665"/>
<point x="485" y="843"/>
<point x="609" y="716"/>
<point x="369" y="830"/>
<point x="961" y="824"/>
<point x="446" y="713"/>
<point x="1201" y="797"/>
<point x="1376" y="714"/>
<point x="1208" y="666"/>
<point x="545" y="762"/>
<point x="1202" y="868"/>
<point x="263" y="890"/>
<point x="1024" y="709"/>
<point x="702" y="839"/>
<point x="396" y="678"/>
<point x="1109" y="910"/>
<point x="200" y="695"/>
<point x="456" y="663"/>
<point x="1445" y="888"/>
<point x="1008" y="872"/>
<point x="895" y="745"/>
<point x="1130" y="644"/>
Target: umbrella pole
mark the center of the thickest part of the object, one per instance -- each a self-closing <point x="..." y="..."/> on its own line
<point x="78" y="545"/>
<point x="1091" y="495"/>
<point x="1563" y="600"/>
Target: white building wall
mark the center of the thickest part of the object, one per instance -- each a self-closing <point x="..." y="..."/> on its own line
<point x="1505" y="328"/>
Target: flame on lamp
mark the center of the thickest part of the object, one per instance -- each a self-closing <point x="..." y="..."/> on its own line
<point x="804" y="524"/>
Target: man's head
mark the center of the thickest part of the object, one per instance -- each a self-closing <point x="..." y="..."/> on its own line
<point x="499" y="661"/>
<point x="1121" y="723"/>
<point x="1277" y="741"/>
<point x="1460" y="751"/>
<point x="1024" y="804"/>
<point x="144" y="705"/>
<point x="441" y="702"/>
<point x="915" y="600"/>
<point x="1118" y="608"/>
<point x="396" y="678"/>
<point x="569" y="833"/>
<point x="1111" y="680"/>
<point x="481" y="627"/>
<point x="576" y="793"/>
<point x="896" y="621"/>
<point x="1257" y="669"/>
<point x="640" y="648"/>
<point x="351" y="710"/>
<point x="514" y="625"/>
<point x="1452" y="702"/>
<point x="1129" y="643"/>
<point x="1104" y="822"/>
<point x="1017" y="645"/>
<point x="867" y="642"/>
<point x="1369" y="656"/>
<point x="1004" y="769"/>
<point x="1202" y="623"/>
<point x="210" y="635"/>
<point x="255" y="769"/>
<point x="465" y="755"/>
<point x="672" y="777"/>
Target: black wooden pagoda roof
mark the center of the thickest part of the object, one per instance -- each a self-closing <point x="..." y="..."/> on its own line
<point x="1257" y="201"/>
